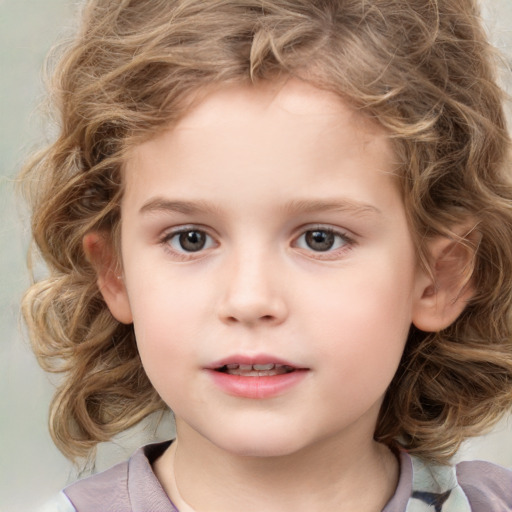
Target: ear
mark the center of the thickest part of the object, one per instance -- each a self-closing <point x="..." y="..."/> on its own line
<point x="444" y="292"/>
<point x="101" y="255"/>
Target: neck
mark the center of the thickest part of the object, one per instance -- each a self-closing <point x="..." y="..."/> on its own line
<point x="331" y="476"/>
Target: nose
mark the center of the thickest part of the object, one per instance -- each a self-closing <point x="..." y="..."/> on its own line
<point x="253" y="292"/>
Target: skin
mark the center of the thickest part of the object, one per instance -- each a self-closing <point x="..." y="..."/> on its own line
<point x="256" y="170"/>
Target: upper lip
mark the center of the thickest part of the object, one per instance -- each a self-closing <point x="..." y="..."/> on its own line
<point x="251" y="360"/>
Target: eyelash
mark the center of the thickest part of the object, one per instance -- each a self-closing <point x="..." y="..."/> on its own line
<point x="344" y="242"/>
<point x="183" y="254"/>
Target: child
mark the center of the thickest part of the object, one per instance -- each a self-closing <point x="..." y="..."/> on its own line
<point x="290" y="222"/>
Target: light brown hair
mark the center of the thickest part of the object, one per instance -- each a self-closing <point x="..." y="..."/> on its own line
<point x="423" y="69"/>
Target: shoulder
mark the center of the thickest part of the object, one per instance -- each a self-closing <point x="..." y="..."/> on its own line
<point x="130" y="486"/>
<point x="107" y="490"/>
<point x="474" y="486"/>
<point x="487" y="486"/>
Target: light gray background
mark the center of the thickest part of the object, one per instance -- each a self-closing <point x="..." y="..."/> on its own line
<point x="31" y="468"/>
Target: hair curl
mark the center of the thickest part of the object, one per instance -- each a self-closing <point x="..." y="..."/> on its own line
<point x="423" y="69"/>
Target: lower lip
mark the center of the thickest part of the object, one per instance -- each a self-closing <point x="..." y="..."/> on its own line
<point x="256" y="387"/>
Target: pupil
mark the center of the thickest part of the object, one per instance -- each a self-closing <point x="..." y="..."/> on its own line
<point x="320" y="240"/>
<point x="192" y="240"/>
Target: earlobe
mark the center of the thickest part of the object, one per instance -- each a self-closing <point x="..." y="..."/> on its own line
<point x="443" y="293"/>
<point x="100" y="254"/>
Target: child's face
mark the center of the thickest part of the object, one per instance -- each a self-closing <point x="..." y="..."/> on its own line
<point x="267" y="228"/>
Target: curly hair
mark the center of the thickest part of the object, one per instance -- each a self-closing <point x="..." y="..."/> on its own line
<point x="422" y="69"/>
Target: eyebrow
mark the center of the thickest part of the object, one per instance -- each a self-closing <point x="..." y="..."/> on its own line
<point x="297" y="206"/>
<point x="161" y="204"/>
<point x="334" y="205"/>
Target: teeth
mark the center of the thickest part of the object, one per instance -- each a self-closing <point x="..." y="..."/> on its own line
<point x="263" y="366"/>
<point x="256" y="370"/>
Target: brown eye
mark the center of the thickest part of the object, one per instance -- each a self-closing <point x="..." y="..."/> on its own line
<point x="190" y="240"/>
<point x="323" y="240"/>
<point x="320" y="240"/>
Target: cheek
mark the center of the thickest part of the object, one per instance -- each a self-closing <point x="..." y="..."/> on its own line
<point x="364" y="322"/>
<point x="166" y="356"/>
<point x="163" y="302"/>
<point x="166" y="325"/>
<point x="363" y="351"/>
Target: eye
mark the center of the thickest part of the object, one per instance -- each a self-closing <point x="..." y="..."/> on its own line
<point x="322" y="240"/>
<point x="189" y="240"/>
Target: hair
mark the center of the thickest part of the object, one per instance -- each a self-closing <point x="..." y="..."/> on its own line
<point x="422" y="69"/>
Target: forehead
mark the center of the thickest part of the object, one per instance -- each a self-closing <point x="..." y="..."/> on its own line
<point x="275" y="135"/>
<point x="264" y="108"/>
<point x="272" y="101"/>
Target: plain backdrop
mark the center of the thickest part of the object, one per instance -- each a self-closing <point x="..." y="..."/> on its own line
<point x="31" y="468"/>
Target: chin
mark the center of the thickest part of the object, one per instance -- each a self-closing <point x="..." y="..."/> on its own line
<point x="260" y="444"/>
<point x="251" y="435"/>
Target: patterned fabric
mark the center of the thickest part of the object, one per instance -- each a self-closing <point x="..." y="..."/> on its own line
<point x="475" y="486"/>
<point x="133" y="487"/>
<point x="435" y="489"/>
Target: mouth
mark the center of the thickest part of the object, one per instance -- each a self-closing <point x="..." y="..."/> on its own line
<point x="259" y="377"/>
<point x="255" y="370"/>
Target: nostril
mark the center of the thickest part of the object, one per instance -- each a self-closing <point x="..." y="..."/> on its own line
<point x="264" y="318"/>
<point x="252" y="309"/>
